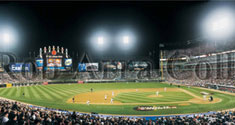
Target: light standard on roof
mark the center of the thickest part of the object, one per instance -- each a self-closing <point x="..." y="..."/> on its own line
<point x="5" y="43"/>
<point x="125" y="39"/>
<point x="100" y="40"/>
<point x="219" y="24"/>
<point x="6" y="38"/>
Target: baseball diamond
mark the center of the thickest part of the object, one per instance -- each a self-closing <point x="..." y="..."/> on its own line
<point x="184" y="99"/>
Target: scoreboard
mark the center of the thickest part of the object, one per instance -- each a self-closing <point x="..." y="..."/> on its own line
<point x="54" y="62"/>
<point x="54" y="59"/>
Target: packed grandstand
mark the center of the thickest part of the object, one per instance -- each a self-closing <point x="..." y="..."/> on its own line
<point x="15" y="113"/>
<point x="202" y="66"/>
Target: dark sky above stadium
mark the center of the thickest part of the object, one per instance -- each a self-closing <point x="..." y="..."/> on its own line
<point x="71" y="24"/>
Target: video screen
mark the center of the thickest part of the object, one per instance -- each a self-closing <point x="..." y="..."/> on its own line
<point x="68" y="62"/>
<point x="137" y="65"/>
<point x="19" y="67"/>
<point x="82" y="67"/>
<point x="54" y="62"/>
<point x="113" y="66"/>
<point x="92" y="66"/>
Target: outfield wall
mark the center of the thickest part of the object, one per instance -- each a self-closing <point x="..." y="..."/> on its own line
<point x="72" y="82"/>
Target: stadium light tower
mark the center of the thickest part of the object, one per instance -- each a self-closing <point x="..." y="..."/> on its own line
<point x="100" y="40"/>
<point x="6" y="38"/>
<point x="220" y="24"/>
<point x="125" y="39"/>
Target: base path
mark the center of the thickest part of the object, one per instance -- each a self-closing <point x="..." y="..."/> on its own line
<point x="200" y="100"/>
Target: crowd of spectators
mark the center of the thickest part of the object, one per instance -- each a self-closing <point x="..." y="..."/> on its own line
<point x="15" y="113"/>
<point x="200" y="67"/>
<point x="18" y="78"/>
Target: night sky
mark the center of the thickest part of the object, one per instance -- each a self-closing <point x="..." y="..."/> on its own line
<point x="71" y="24"/>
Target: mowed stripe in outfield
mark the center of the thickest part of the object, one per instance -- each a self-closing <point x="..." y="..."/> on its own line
<point x="10" y="91"/>
<point x="65" y="91"/>
<point x="55" y="92"/>
<point x="42" y="92"/>
<point x="5" y="91"/>
<point x="50" y="94"/>
<point x="33" y="93"/>
<point x="15" y="92"/>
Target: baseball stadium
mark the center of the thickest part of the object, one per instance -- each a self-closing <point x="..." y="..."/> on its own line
<point x="116" y="78"/>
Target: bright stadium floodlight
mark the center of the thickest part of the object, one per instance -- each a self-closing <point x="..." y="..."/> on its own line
<point x="221" y="26"/>
<point x="220" y="23"/>
<point x="100" y="40"/>
<point x="125" y="39"/>
<point x="6" y="38"/>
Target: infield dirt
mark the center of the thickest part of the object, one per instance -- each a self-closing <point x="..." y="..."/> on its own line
<point x="98" y="97"/>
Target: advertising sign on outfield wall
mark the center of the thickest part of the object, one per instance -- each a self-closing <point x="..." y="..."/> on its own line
<point x="8" y="85"/>
<point x="81" y="67"/>
<point x="92" y="66"/>
<point x="19" y="67"/>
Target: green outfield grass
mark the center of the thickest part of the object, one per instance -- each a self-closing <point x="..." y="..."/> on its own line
<point x="56" y="96"/>
<point x="142" y="97"/>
